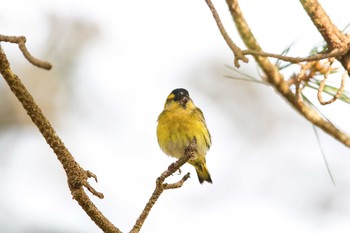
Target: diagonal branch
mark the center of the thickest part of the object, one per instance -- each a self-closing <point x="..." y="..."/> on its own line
<point x="77" y="177"/>
<point x="161" y="186"/>
<point x="237" y="52"/>
<point x="330" y="33"/>
<point x="276" y="79"/>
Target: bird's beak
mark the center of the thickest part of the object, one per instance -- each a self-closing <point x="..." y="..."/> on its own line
<point x="184" y="101"/>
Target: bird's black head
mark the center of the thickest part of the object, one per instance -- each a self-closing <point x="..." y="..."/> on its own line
<point x="180" y="95"/>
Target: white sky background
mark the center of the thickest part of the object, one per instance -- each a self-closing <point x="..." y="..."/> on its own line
<point x="268" y="172"/>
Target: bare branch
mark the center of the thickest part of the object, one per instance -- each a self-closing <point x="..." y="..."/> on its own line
<point x="330" y="33"/>
<point x="21" y="41"/>
<point x="161" y="186"/>
<point x="237" y="52"/>
<point x="177" y="184"/>
<point x="338" y="52"/>
<point x="77" y="177"/>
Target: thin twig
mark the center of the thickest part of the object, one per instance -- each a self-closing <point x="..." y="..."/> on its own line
<point x="161" y="186"/>
<point x="21" y="41"/>
<point x="177" y="184"/>
<point x="237" y="52"/>
<point x="77" y="177"/>
<point x="338" y="52"/>
<point x="297" y="80"/>
<point x="338" y="93"/>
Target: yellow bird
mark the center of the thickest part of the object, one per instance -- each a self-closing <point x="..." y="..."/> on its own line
<point x="179" y="122"/>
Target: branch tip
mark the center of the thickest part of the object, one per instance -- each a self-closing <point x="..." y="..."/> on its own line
<point x="177" y="184"/>
<point x="91" y="175"/>
<point x="21" y="40"/>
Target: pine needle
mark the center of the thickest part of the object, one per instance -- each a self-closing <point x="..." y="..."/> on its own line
<point x="245" y="77"/>
<point x="323" y="154"/>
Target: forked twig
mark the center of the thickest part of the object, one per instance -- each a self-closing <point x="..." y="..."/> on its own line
<point x="161" y="186"/>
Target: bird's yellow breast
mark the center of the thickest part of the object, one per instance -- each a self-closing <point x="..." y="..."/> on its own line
<point x="176" y="129"/>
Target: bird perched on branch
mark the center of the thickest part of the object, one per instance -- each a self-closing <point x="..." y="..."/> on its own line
<point x="178" y="124"/>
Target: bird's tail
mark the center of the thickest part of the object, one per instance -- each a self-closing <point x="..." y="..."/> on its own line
<point x="202" y="171"/>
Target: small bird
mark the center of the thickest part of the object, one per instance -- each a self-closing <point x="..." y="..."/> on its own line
<point x="178" y="124"/>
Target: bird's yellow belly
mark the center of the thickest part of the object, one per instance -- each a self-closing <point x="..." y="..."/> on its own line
<point x="174" y="137"/>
